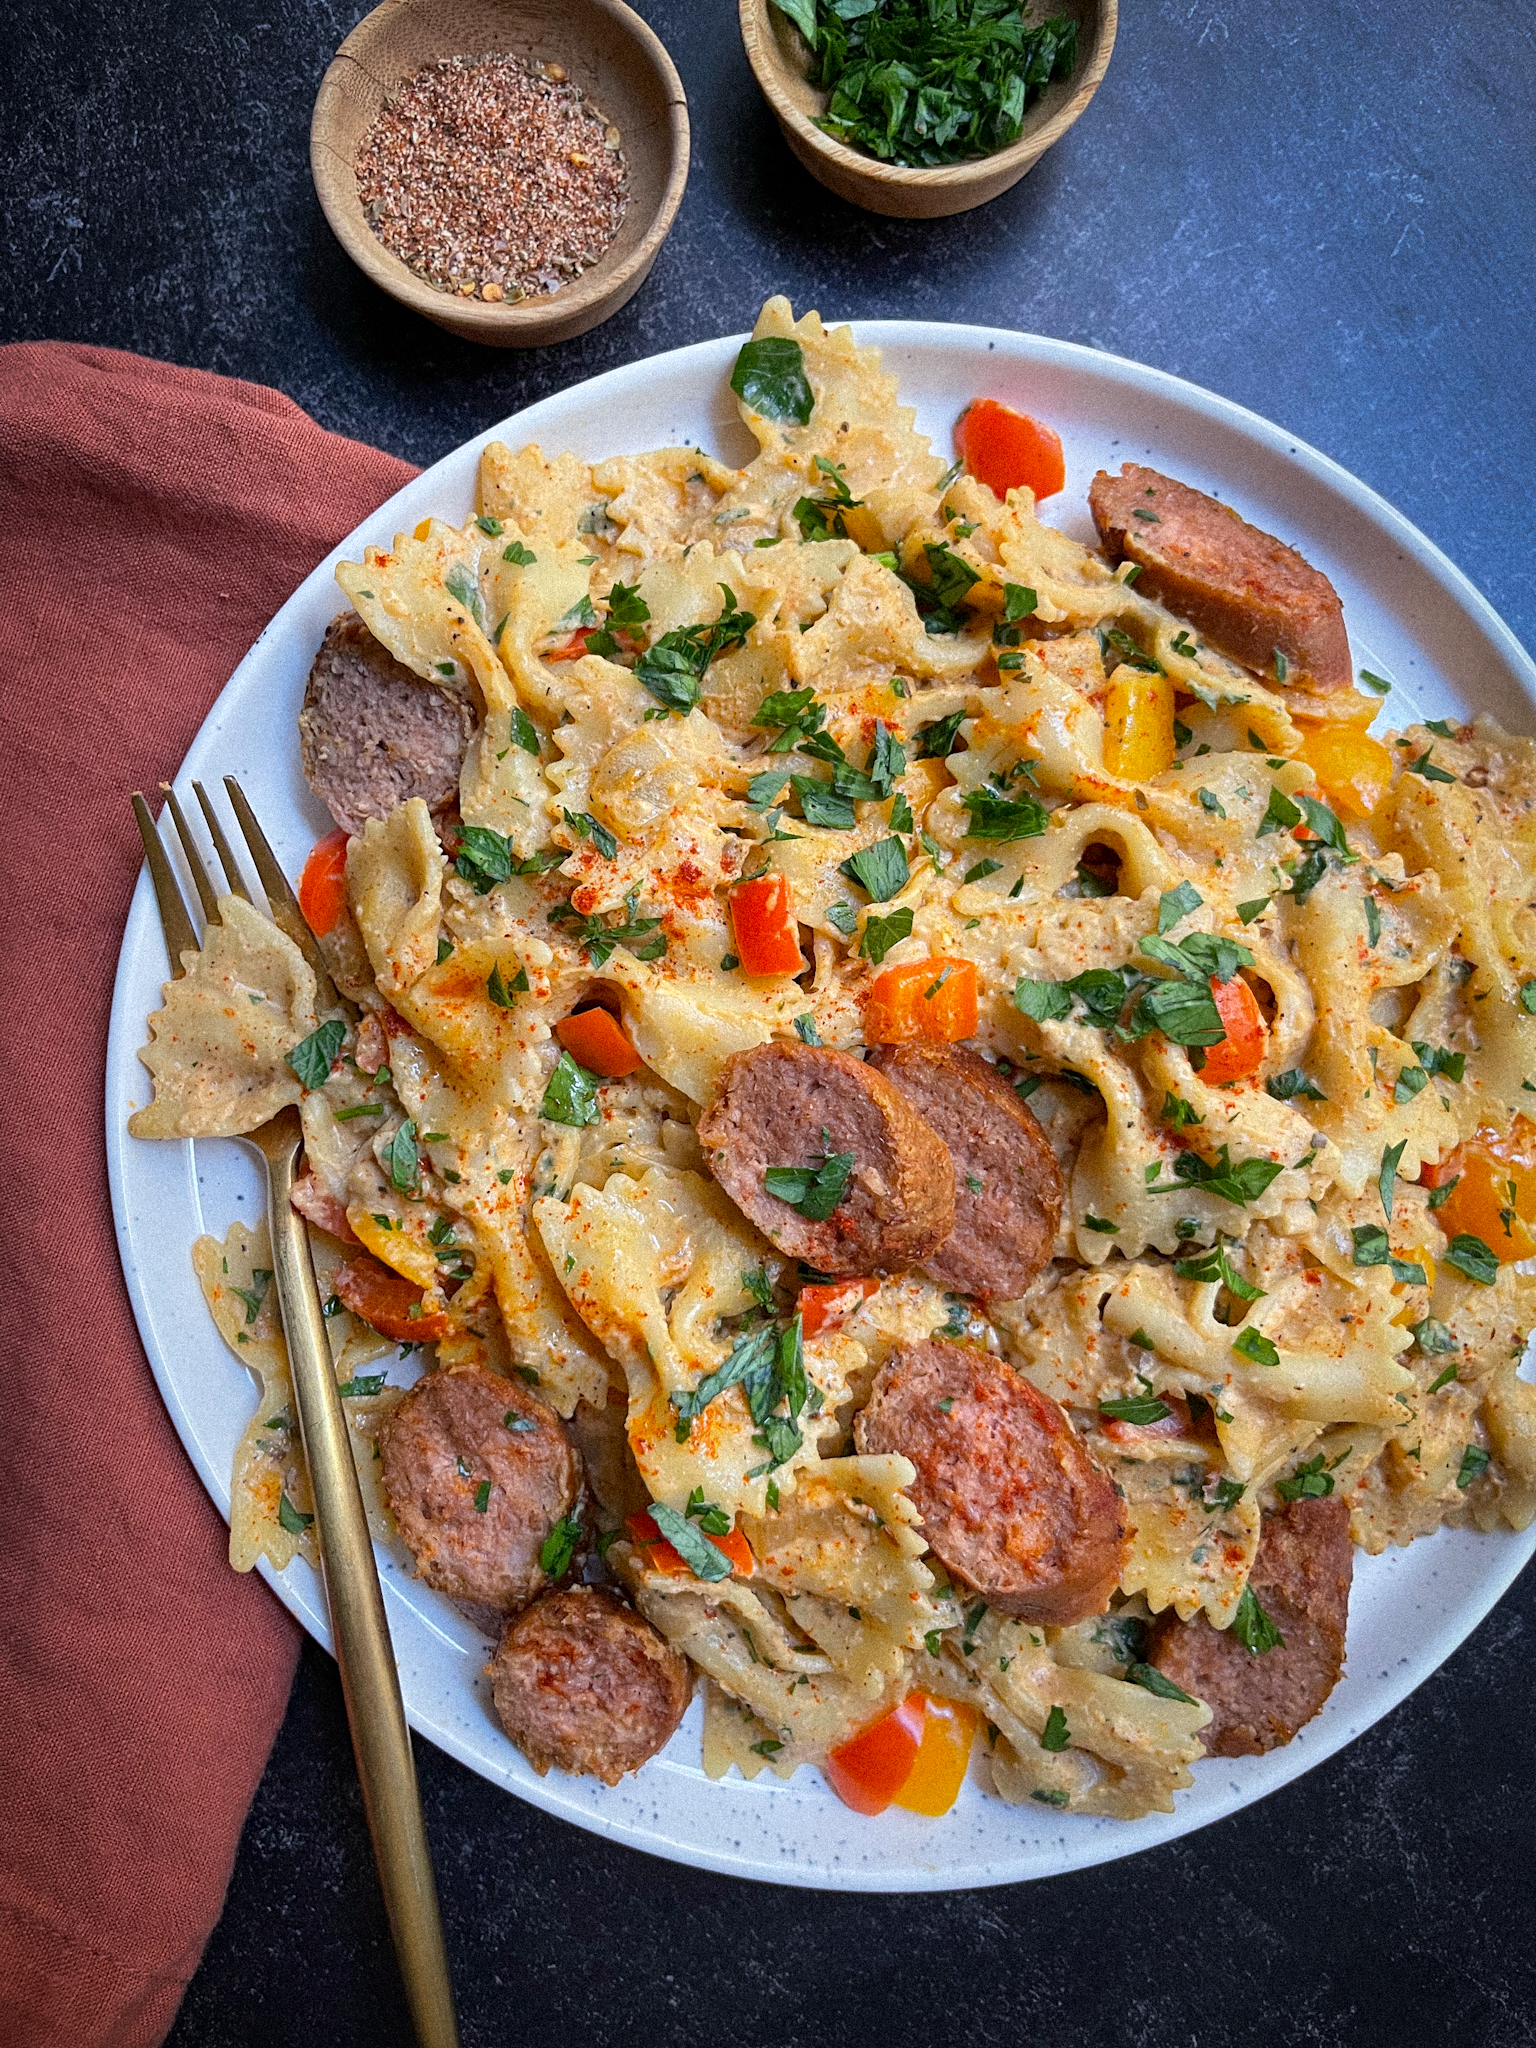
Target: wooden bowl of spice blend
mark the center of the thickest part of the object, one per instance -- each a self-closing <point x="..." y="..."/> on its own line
<point x="509" y="168"/>
<point x="986" y="106"/>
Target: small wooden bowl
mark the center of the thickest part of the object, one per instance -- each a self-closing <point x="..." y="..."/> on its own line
<point x="779" y="58"/>
<point x="606" y="49"/>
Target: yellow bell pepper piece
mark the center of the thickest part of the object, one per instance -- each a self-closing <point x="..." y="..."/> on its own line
<point x="1138" y="725"/>
<point x="949" y="1729"/>
<point x="1353" y="770"/>
<point x="410" y="1256"/>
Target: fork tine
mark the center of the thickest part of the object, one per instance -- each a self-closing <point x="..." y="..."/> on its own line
<point x="174" y="921"/>
<point x="284" y="905"/>
<point x="207" y="895"/>
<point x="222" y="846"/>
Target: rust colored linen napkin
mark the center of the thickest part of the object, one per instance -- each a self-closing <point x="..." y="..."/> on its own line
<point x="151" y="521"/>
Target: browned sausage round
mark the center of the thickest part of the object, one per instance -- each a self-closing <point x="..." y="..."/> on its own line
<point x="1246" y="591"/>
<point x="1301" y="1579"/>
<point x="582" y="1682"/>
<point x="372" y="733"/>
<point x="1007" y="1182"/>
<point x="1010" y="1498"/>
<point x="477" y="1472"/>
<point x="787" y="1104"/>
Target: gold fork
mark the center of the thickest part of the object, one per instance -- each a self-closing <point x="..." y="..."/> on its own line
<point x="359" y="1630"/>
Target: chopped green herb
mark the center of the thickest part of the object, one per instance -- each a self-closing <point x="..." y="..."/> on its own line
<point x="1280" y="815"/>
<point x="880" y="869"/>
<point x="1255" y="1345"/>
<point x="1245" y="1182"/>
<point x="1429" y="769"/>
<point x="1432" y="1339"/>
<point x="404" y="1159"/>
<point x="1377" y="683"/>
<point x="769" y="377"/>
<point x="1372" y="1249"/>
<point x="674" y="668"/>
<point x="1101" y="1223"/>
<point x="1056" y="1735"/>
<point x="313" y="1057"/>
<point x="293" y="1519"/>
<point x="1469" y="1255"/>
<point x="570" y="1096"/>
<point x="814" y="1191"/>
<point x="1252" y="1627"/>
<point x="1474" y="1463"/>
<point x="585" y="826"/>
<point x="519" y="556"/>
<point x="559" y="1546"/>
<point x="1292" y="1083"/>
<point x="805" y="1029"/>
<point x="1152" y="1680"/>
<point x="1214" y="1265"/>
<point x="881" y="933"/>
<point x="1308" y="1482"/>
<point x="504" y="993"/>
<point x="1177" y="1112"/>
<point x="1176" y="904"/>
<point x="994" y="816"/>
<point x="1141" y="1410"/>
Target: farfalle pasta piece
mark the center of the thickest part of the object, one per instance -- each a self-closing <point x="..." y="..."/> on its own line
<point x="217" y="1048"/>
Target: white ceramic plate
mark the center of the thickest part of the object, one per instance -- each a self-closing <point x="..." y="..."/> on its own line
<point x="1411" y="616"/>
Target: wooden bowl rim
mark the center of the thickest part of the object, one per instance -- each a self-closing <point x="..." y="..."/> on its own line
<point x="525" y="316"/>
<point x="757" y="32"/>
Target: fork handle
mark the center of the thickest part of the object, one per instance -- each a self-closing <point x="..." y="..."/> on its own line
<point x="359" y="1630"/>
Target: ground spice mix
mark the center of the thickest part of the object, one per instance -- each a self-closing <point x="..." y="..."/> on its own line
<point x="493" y="177"/>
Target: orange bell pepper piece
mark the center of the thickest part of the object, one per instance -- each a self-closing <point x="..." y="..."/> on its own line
<point x="823" y="1307"/>
<point x="1242" y="1050"/>
<point x="661" y="1557"/>
<point x="1354" y="771"/>
<point x="596" y="1039"/>
<point x="868" y="1770"/>
<point x="1008" y="450"/>
<point x="323" y="884"/>
<point x="1494" y="1197"/>
<point x="762" y="917"/>
<point x="925" y="999"/>
<point x="949" y="1730"/>
<point x="572" y="649"/>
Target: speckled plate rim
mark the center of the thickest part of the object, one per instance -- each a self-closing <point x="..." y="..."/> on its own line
<point x="1412" y="616"/>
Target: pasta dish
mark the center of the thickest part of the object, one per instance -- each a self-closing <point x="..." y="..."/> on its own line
<point x="944" y="1129"/>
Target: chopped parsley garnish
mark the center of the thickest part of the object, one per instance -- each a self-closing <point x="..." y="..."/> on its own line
<point x="769" y="1366"/>
<point x="482" y="1496"/>
<point x="585" y="826"/>
<point x="1308" y="1482"/>
<point x="819" y="805"/>
<point x="1373" y="1249"/>
<point x="1101" y="1223"/>
<point x="1178" y="1113"/>
<point x="1175" y="904"/>
<point x="570" y="1096"/>
<point x="362" y="1386"/>
<point x="1214" y="1265"/>
<point x="1377" y="683"/>
<point x="404" y="1156"/>
<point x="1253" y="1344"/>
<point x="1469" y="1255"/>
<point x="1114" y="639"/>
<point x="814" y="1191"/>
<point x="881" y="933"/>
<point x="996" y="816"/>
<point x="1141" y="1410"/>
<point x="674" y="668"/>
<point x="1253" y="1628"/>
<point x="1056" y="1735"/>
<point x="504" y="993"/>
<point x="1292" y="1083"/>
<point x="1254" y="907"/>
<point x="1210" y="801"/>
<point x="981" y="870"/>
<point x="461" y="585"/>
<point x="1428" y="769"/>
<point x="821" y="517"/>
<point x="1152" y="1680"/>
<point x="880" y="869"/>
<point x="313" y="1057"/>
<point x="1245" y="1182"/>
<point x="704" y="1559"/>
<point x="1432" y="1339"/>
<point x="919" y="84"/>
<point x="519" y="556"/>
<point x="805" y="1029"/>
<point x="936" y="741"/>
<point x="1474" y="1463"/>
<point x="559" y="1546"/>
<point x="769" y="376"/>
<point x="1386" y="1178"/>
<point x="597" y="940"/>
<point x="293" y="1519"/>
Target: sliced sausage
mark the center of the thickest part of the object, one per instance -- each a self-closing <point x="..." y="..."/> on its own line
<point x="1007" y="1182"/>
<point x="1301" y="1579"/>
<point x="373" y="734"/>
<point x="477" y="1471"/>
<point x="1246" y="591"/>
<point x="787" y="1104"/>
<point x="582" y="1682"/>
<point x="1012" y="1502"/>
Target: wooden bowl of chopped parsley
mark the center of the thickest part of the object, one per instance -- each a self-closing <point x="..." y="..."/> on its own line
<point x="916" y="109"/>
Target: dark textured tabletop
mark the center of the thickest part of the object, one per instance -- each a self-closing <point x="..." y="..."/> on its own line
<point x="1322" y="210"/>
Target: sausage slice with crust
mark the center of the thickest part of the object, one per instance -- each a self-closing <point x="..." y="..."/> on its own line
<point x="372" y="733"/>
<point x="787" y="1104"/>
<point x="1011" y="1500"/>
<point x="1246" y="591"/>
<point x="458" y="1432"/>
<point x="582" y="1682"/>
<point x="1007" y="1182"/>
<point x="1301" y="1579"/>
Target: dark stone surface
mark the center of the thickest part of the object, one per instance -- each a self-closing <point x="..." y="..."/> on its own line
<point x="1322" y="211"/>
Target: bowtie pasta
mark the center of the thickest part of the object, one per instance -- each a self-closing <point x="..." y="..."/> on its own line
<point x="1267" y="983"/>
